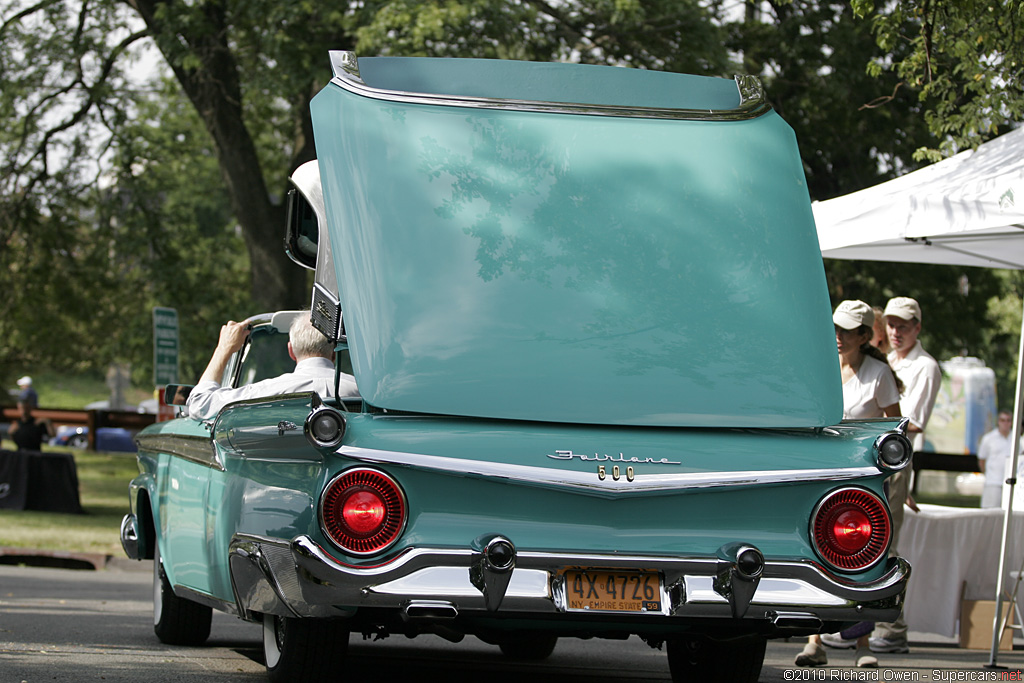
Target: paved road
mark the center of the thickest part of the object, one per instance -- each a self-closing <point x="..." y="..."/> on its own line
<point x="65" y="625"/>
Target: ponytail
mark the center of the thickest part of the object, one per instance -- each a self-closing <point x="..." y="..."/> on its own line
<point x="868" y="350"/>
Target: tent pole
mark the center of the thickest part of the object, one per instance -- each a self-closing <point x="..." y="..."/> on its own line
<point x="1011" y="479"/>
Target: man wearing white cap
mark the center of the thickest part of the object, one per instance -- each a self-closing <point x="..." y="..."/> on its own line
<point x="915" y="366"/>
<point x="27" y="394"/>
<point x="921" y="378"/>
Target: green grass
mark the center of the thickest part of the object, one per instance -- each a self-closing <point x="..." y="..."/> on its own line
<point x="74" y="392"/>
<point x="102" y="479"/>
<point x="103" y="488"/>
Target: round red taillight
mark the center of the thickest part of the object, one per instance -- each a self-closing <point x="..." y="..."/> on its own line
<point x="363" y="511"/>
<point x="851" y="529"/>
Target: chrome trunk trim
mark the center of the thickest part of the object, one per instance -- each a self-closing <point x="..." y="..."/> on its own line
<point x="588" y="482"/>
<point x="345" y="66"/>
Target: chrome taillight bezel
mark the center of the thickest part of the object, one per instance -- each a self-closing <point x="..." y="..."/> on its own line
<point x="874" y="551"/>
<point x="345" y="484"/>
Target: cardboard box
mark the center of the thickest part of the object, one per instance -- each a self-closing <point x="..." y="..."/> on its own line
<point x="976" y="625"/>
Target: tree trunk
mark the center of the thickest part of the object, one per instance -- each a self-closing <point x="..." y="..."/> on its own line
<point x="213" y="88"/>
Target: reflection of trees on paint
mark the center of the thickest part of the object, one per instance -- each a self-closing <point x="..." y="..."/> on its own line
<point x="632" y="240"/>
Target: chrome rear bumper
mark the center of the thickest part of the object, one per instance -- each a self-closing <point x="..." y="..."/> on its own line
<point x="301" y="579"/>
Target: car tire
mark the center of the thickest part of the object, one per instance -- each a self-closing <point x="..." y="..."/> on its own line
<point x="79" y="441"/>
<point x="694" y="658"/>
<point x="531" y="648"/>
<point x="177" y="621"/>
<point x="298" y="650"/>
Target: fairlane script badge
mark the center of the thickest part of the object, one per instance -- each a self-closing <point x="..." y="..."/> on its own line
<point x="598" y="457"/>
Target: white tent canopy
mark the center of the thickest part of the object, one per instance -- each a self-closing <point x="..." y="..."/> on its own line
<point x="966" y="210"/>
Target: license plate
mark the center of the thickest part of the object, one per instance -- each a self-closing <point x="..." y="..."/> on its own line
<point x="604" y="591"/>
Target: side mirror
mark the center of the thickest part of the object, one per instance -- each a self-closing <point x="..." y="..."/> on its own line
<point x="303" y="232"/>
<point x="306" y="246"/>
<point x="177" y="394"/>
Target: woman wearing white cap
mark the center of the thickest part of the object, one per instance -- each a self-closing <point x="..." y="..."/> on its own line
<point x="870" y="389"/>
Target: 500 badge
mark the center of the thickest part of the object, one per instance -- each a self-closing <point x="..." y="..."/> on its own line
<point x="616" y="473"/>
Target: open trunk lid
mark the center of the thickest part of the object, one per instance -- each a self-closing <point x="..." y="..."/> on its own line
<point x="571" y="243"/>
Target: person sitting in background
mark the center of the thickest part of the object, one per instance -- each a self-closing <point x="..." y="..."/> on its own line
<point x="993" y="454"/>
<point x="26" y="393"/>
<point x="27" y="432"/>
<point x="312" y="352"/>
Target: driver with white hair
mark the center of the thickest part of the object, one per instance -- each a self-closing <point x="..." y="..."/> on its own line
<point x="312" y="352"/>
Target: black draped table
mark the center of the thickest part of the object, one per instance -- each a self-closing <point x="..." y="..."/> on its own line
<point x="30" y="480"/>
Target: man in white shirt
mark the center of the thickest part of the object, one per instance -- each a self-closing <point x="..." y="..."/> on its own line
<point x="913" y="365"/>
<point x="993" y="453"/>
<point x="312" y="352"/>
<point x="921" y="379"/>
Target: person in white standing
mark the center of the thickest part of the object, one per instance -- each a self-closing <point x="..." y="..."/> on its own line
<point x="923" y="378"/>
<point x="993" y="453"/>
<point x="870" y="389"/>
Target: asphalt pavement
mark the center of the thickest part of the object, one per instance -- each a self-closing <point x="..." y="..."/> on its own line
<point x="87" y="625"/>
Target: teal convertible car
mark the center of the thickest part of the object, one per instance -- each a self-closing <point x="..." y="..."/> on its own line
<point x="600" y="395"/>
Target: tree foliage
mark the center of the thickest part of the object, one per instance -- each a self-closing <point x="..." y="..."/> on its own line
<point x="964" y="60"/>
<point x="121" y="190"/>
<point x="812" y="57"/>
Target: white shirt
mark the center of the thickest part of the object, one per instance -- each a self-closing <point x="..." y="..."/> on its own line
<point x="922" y="379"/>
<point x="869" y="390"/>
<point x="311" y="374"/>
<point x="994" y="451"/>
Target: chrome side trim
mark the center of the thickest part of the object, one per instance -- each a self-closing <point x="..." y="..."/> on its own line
<point x="197" y="449"/>
<point x="588" y="482"/>
<point x="345" y="67"/>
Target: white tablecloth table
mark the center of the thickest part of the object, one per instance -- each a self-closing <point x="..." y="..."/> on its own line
<point x="947" y="547"/>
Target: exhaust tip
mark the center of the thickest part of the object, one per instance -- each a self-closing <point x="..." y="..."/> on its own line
<point x="796" y="621"/>
<point x="430" y="610"/>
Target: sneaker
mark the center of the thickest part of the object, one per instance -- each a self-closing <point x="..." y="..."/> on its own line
<point x="837" y="641"/>
<point x="866" y="660"/>
<point x="899" y="647"/>
<point x="812" y="655"/>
